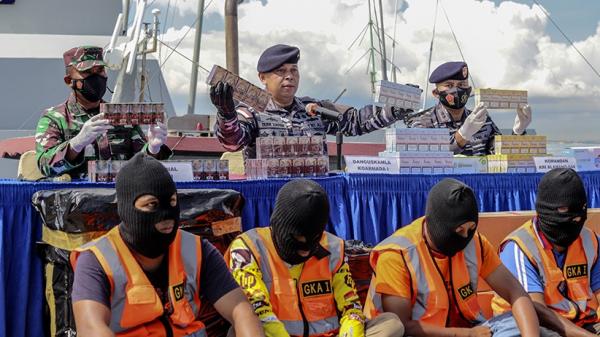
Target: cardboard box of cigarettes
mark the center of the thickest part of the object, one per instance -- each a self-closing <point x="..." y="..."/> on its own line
<point x="203" y="169"/>
<point x="414" y="162"/>
<point x="289" y="147"/>
<point x="398" y="95"/>
<point x="588" y="157"/>
<point x="512" y="163"/>
<point x="243" y="90"/>
<point x="417" y="139"/>
<point x="286" y="167"/>
<point x="210" y="169"/>
<point x="130" y="114"/>
<point x="501" y="99"/>
<point x="525" y="144"/>
<point x="104" y="171"/>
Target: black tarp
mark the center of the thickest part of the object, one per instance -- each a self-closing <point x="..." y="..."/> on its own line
<point x="91" y="210"/>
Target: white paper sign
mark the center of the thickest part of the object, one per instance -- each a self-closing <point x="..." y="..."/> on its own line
<point x="179" y="170"/>
<point x="367" y="164"/>
<point x="545" y="164"/>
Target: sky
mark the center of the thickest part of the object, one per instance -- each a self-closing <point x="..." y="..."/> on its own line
<point x="507" y="44"/>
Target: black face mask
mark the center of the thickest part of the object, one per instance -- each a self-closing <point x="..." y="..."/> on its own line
<point x="455" y="98"/>
<point x="448" y="242"/>
<point x="560" y="228"/>
<point x="94" y="87"/>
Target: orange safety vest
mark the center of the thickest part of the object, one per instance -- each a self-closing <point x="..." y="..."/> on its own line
<point x="306" y="307"/>
<point x="580" y="304"/>
<point x="429" y="295"/>
<point x="136" y="309"/>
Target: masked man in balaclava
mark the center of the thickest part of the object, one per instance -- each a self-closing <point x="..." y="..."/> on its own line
<point x="146" y="277"/>
<point x="471" y="132"/>
<point x="427" y="273"/>
<point x="555" y="257"/>
<point x="73" y="132"/>
<point x="295" y="275"/>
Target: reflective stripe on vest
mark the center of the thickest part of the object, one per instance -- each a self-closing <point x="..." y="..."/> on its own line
<point x="134" y="302"/>
<point x="320" y="311"/>
<point x="467" y="259"/>
<point x="580" y="303"/>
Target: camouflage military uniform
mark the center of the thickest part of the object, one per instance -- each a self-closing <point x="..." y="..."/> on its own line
<point x="61" y="123"/>
<point x="241" y="131"/>
<point x="438" y="117"/>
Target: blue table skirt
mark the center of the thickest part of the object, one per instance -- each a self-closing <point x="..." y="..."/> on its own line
<point x="365" y="207"/>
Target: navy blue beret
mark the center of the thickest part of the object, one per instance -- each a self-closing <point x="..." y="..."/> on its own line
<point x="277" y="55"/>
<point x="449" y="71"/>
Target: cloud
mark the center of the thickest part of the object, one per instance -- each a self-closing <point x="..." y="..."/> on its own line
<point x="505" y="45"/>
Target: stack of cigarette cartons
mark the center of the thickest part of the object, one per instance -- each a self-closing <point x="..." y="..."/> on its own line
<point x="525" y="144"/>
<point x="512" y="163"/>
<point x="131" y="114"/>
<point x="420" y="150"/>
<point x="588" y="157"/>
<point x="210" y="169"/>
<point x="285" y="157"/>
<point x="501" y="99"/>
<point x="416" y="162"/>
<point x="417" y="139"/>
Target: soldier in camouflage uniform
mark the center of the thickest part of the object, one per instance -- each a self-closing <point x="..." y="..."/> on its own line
<point x="287" y="115"/>
<point x="73" y="132"/>
<point x="472" y="133"/>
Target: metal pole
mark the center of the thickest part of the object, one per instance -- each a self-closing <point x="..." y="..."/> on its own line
<point x="126" y="4"/>
<point x="394" y="42"/>
<point x="196" y="57"/>
<point x="373" y="72"/>
<point x="383" y="53"/>
<point x="231" y="36"/>
<point x="430" y="54"/>
<point x="143" y="75"/>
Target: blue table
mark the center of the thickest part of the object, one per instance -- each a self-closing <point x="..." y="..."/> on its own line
<point x="365" y="207"/>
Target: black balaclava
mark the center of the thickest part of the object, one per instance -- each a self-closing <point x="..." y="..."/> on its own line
<point x="450" y="203"/>
<point x="94" y="87"/>
<point x="301" y="208"/>
<point x="561" y="187"/>
<point x="141" y="175"/>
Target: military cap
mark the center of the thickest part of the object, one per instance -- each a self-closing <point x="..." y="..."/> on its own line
<point x="449" y="71"/>
<point x="84" y="57"/>
<point x="277" y="55"/>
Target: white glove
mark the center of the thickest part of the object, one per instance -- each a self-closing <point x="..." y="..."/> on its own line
<point x="522" y="119"/>
<point x="157" y="136"/>
<point x="474" y="122"/>
<point x="89" y="132"/>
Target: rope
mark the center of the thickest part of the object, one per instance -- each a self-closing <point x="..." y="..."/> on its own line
<point x="457" y="44"/>
<point x="566" y="37"/>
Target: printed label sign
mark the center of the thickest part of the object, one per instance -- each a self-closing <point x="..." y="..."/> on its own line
<point x="180" y="171"/>
<point x="366" y="164"/>
<point x="545" y="164"/>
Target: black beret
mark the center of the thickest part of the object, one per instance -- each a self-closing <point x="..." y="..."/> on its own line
<point x="277" y="55"/>
<point x="449" y="71"/>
